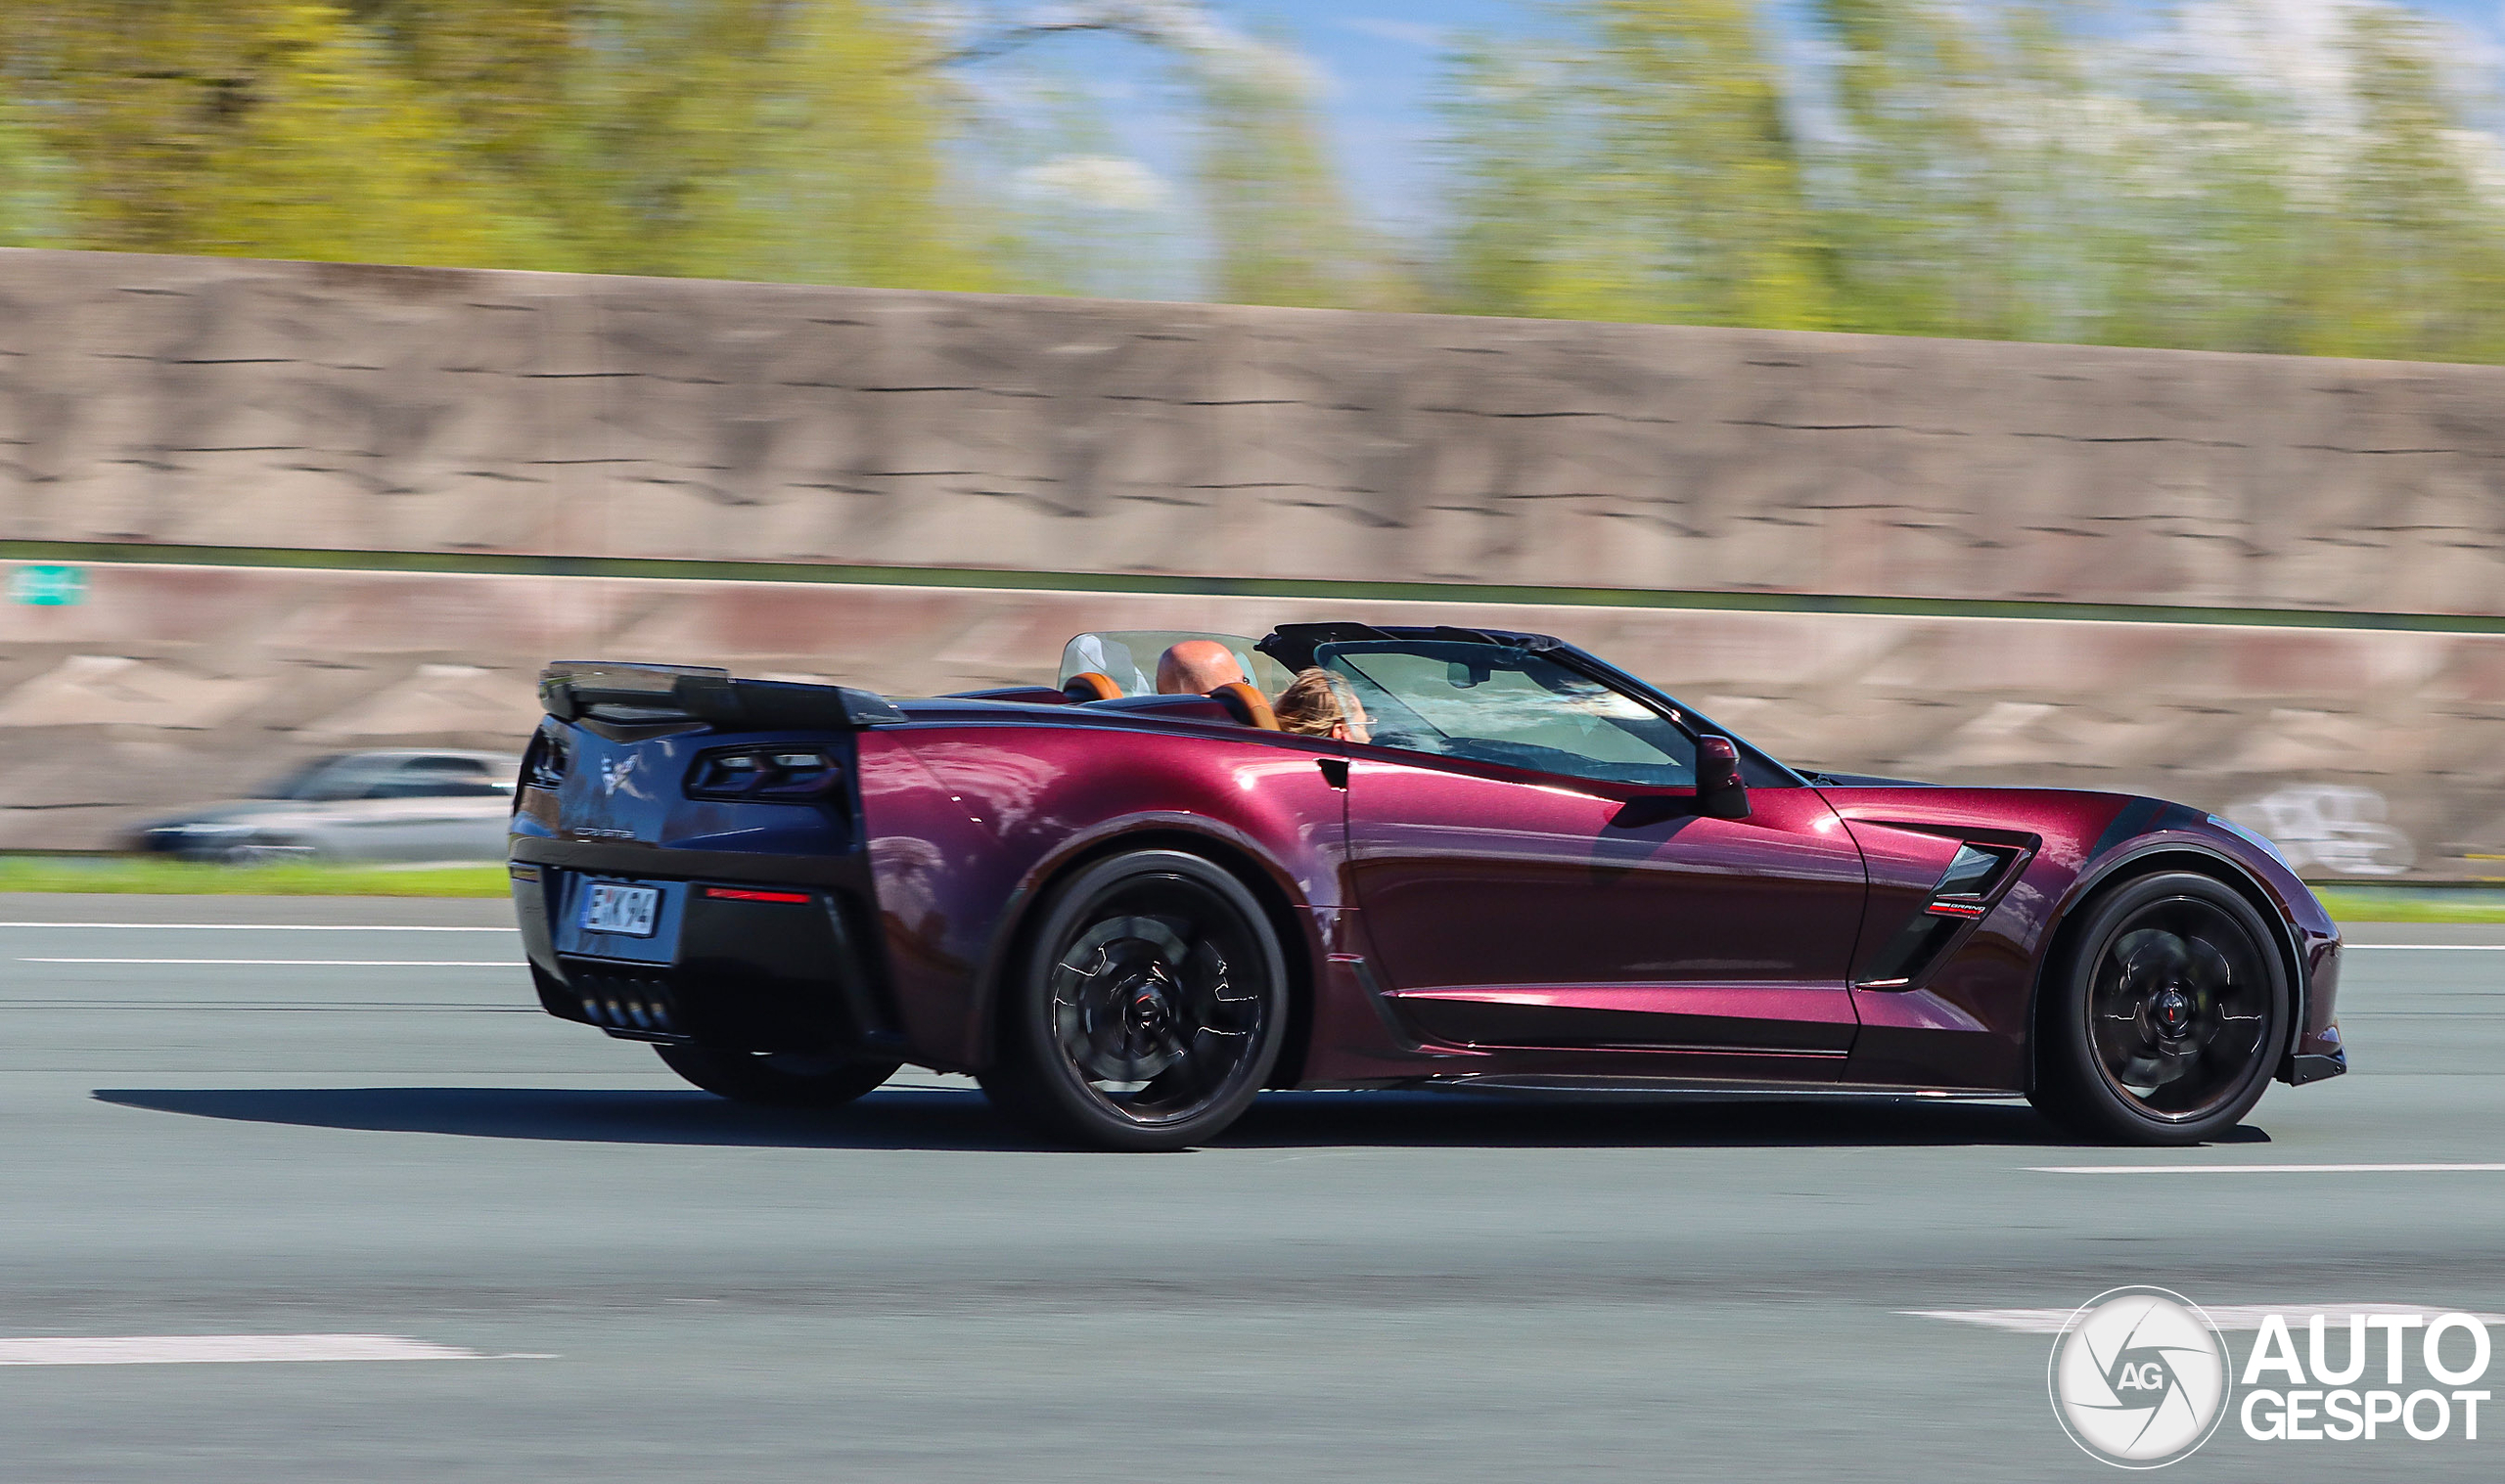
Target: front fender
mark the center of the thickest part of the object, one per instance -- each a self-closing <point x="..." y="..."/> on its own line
<point x="2307" y="940"/>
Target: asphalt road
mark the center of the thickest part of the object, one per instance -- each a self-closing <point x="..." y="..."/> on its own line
<point x="658" y="1285"/>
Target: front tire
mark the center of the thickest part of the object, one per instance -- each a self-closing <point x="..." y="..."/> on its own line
<point x="777" y="1079"/>
<point x="2165" y="1021"/>
<point x="1148" y="1010"/>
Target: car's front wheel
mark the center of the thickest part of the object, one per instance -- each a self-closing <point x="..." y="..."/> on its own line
<point x="1149" y="1008"/>
<point x="2165" y="1019"/>
<point x="777" y="1079"/>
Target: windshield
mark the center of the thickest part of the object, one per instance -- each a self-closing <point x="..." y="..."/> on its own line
<point x="1501" y="704"/>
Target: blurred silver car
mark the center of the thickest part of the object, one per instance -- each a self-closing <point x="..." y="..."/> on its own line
<point x="429" y="805"/>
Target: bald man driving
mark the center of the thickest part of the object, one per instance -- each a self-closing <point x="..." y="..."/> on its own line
<point x="1196" y="667"/>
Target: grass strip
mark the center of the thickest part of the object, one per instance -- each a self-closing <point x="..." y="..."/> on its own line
<point x="2385" y="905"/>
<point x="122" y="875"/>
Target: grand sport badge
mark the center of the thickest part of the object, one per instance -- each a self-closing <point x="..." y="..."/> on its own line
<point x="2139" y="1378"/>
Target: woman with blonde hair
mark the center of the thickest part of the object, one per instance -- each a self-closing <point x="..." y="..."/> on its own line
<point x="1322" y="704"/>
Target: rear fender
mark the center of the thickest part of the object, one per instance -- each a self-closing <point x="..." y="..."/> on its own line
<point x="1298" y="923"/>
<point x="1002" y="812"/>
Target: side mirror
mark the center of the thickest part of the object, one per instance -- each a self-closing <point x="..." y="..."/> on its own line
<point x="1719" y="793"/>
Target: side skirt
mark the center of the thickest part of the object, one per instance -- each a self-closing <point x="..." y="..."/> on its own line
<point x="1686" y="1087"/>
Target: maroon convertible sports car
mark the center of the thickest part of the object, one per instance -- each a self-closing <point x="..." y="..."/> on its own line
<point x="1126" y="913"/>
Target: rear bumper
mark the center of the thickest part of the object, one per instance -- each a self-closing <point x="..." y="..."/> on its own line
<point x="735" y="973"/>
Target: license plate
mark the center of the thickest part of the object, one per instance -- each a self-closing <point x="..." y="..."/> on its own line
<point x="631" y="911"/>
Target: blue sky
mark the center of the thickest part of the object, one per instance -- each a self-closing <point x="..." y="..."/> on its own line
<point x="1379" y="62"/>
<point x="1383" y="58"/>
<point x="1382" y="61"/>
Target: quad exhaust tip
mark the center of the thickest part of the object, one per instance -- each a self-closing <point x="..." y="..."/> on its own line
<point x="629" y="1012"/>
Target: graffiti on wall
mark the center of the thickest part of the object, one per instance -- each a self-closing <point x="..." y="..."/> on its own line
<point x="2337" y="827"/>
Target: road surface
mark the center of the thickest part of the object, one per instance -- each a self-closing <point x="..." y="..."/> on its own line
<point x="468" y="1242"/>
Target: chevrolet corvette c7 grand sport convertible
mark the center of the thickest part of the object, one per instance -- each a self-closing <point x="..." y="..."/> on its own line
<point x="1128" y="913"/>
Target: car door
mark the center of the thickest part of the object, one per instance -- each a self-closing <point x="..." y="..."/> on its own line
<point x="1586" y="902"/>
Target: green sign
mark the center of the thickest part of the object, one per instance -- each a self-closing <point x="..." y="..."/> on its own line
<point x="48" y="587"/>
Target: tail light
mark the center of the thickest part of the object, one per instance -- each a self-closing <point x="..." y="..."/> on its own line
<point x="543" y="763"/>
<point x="791" y="775"/>
<point x="754" y="894"/>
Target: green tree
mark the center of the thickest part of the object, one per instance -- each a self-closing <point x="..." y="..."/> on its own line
<point x="2018" y="170"/>
<point x="2410" y="258"/>
<point x="838" y="173"/>
<point x="499" y="68"/>
<point x="756" y="138"/>
<point x="2014" y="173"/>
<point x="1514" y="168"/>
<point x="29" y="194"/>
<point x="1281" y="231"/>
<point x="271" y="128"/>
<point x="1917" y="187"/>
<point x="1641" y="169"/>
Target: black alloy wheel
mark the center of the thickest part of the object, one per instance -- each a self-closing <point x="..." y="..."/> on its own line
<point x="2168" y="1020"/>
<point x="1149" y="1010"/>
<point x="777" y="1079"/>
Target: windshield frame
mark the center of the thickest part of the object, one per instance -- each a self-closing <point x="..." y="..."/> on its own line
<point x="1294" y="645"/>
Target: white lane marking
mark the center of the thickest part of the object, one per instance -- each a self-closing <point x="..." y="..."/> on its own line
<point x="270" y="927"/>
<point x="2229" y="1316"/>
<point x="2259" y="1169"/>
<point x="312" y="963"/>
<point x="324" y="1006"/>
<point x="230" y="1349"/>
<point x="2436" y="947"/>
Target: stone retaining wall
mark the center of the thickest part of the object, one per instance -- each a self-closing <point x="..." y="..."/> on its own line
<point x="213" y="402"/>
<point x="229" y="402"/>
<point x="2364" y="750"/>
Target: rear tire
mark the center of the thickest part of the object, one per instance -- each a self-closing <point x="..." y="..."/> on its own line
<point x="2165" y="1019"/>
<point x="777" y="1079"/>
<point x="1148" y="1009"/>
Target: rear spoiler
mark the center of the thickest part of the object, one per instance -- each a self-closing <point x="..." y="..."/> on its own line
<point x="643" y="695"/>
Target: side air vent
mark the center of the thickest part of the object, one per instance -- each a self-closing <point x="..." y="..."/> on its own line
<point x="1968" y="880"/>
<point x="1971" y="870"/>
<point x="1963" y="895"/>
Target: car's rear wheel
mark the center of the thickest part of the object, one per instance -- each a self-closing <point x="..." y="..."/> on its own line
<point x="2164" y="1022"/>
<point x="1149" y="1008"/>
<point x="777" y="1079"/>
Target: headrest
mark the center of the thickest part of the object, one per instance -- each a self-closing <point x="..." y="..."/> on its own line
<point x="1247" y="705"/>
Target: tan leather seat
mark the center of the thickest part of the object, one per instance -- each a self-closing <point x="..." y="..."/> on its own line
<point x="1249" y="705"/>
<point x="1088" y="685"/>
